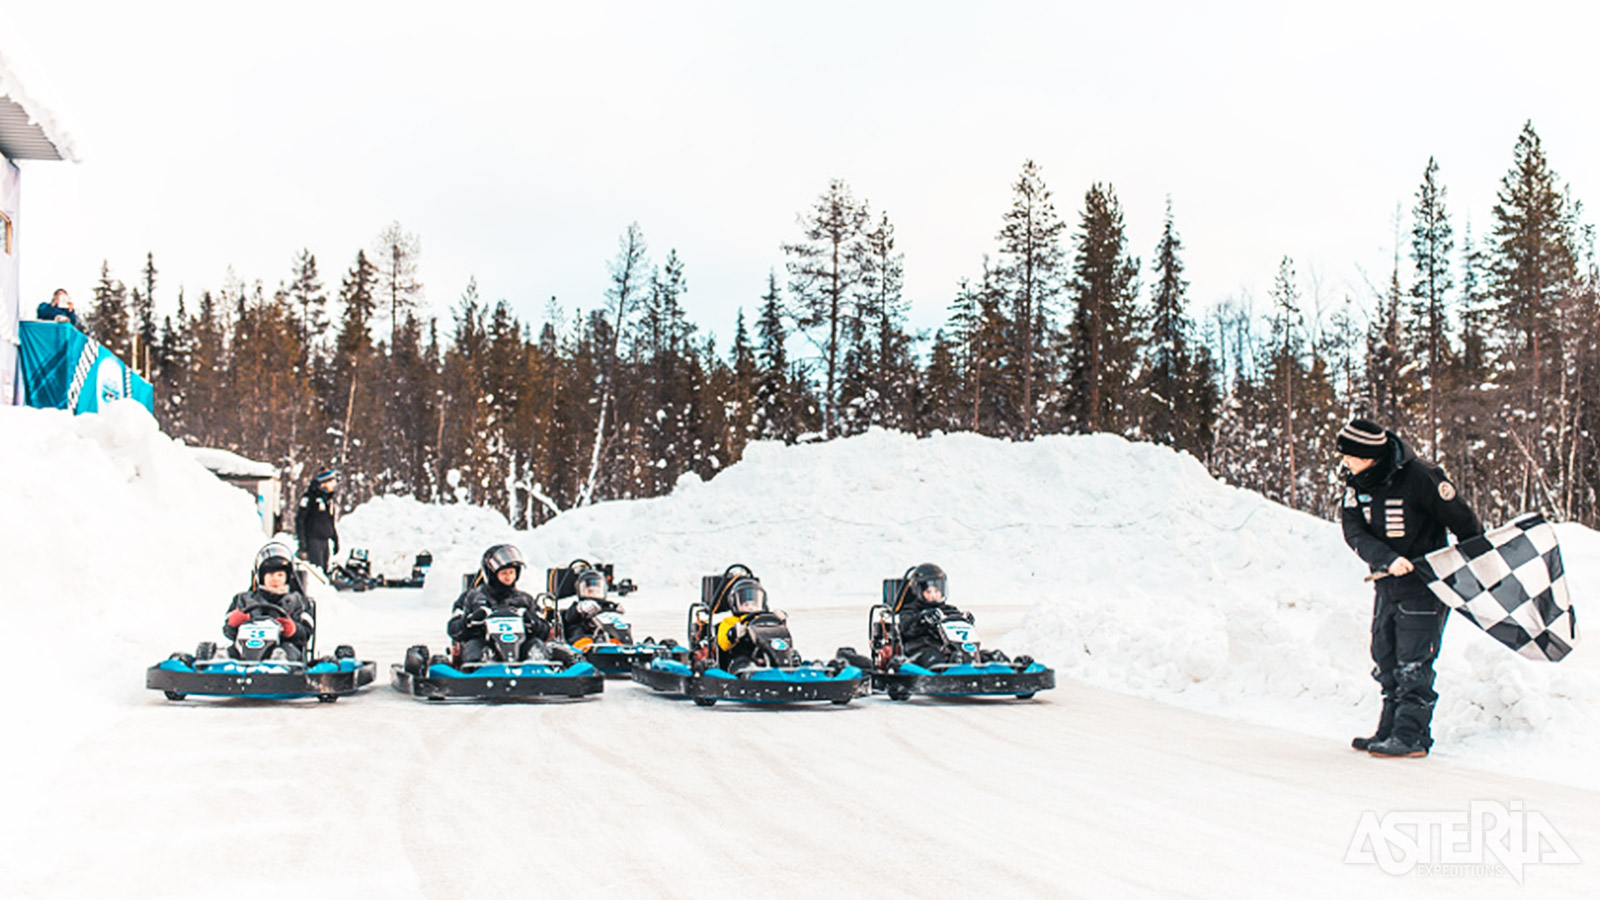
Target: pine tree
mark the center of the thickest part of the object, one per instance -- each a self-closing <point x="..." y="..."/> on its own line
<point x="1431" y="244"/>
<point x="395" y="258"/>
<point x="825" y="272"/>
<point x="1534" y="268"/>
<point x="774" y="417"/>
<point x="1102" y="340"/>
<point x="1168" y="381"/>
<point x="108" y="320"/>
<point x="1030" y="253"/>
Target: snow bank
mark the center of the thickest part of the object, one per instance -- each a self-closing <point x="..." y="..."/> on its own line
<point x="1143" y="573"/>
<point x="116" y="548"/>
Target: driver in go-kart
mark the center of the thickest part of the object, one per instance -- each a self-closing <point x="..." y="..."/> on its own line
<point x="920" y="615"/>
<point x="274" y="594"/>
<point x="496" y="588"/>
<point x="746" y="600"/>
<point x="577" y="620"/>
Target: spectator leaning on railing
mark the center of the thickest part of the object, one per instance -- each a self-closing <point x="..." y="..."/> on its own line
<point x="58" y="309"/>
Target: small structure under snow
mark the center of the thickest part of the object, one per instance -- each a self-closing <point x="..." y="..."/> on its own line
<point x="29" y="129"/>
<point x="260" y="479"/>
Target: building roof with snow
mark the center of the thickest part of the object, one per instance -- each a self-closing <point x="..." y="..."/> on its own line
<point x="30" y="126"/>
<point x="227" y="464"/>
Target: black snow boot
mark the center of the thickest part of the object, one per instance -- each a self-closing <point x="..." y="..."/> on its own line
<point x="1385" y="728"/>
<point x="1397" y="747"/>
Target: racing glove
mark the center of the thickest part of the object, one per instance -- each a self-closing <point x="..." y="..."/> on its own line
<point x="237" y="617"/>
<point x="587" y="607"/>
<point x="287" y="624"/>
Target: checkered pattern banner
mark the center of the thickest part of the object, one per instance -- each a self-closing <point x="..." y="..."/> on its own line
<point x="1510" y="583"/>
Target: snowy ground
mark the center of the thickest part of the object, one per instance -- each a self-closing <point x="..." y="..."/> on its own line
<point x="1211" y="648"/>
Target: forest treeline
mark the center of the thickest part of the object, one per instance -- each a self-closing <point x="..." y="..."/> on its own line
<point x="1484" y="351"/>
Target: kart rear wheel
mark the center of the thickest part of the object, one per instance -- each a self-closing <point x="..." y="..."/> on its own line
<point x="344" y="651"/>
<point x="327" y="698"/>
<point x="705" y="701"/>
<point x="898" y="692"/>
<point x="417" y="661"/>
<point x="1027" y="696"/>
<point x="843" y="701"/>
<point x="205" y="650"/>
<point x="174" y="695"/>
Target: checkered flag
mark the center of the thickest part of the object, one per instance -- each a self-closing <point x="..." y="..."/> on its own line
<point x="1510" y="583"/>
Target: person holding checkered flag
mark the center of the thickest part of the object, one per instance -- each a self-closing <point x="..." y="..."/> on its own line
<point x="1398" y="506"/>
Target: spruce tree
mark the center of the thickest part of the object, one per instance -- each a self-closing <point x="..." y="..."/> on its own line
<point x="1431" y="244"/>
<point x="1030" y="254"/>
<point x="826" y="270"/>
<point x="1102" y="341"/>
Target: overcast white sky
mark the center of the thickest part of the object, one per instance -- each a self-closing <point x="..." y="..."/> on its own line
<point x="519" y="140"/>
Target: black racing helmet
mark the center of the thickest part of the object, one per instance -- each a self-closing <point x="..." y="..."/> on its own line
<point x="274" y="557"/>
<point x="926" y="576"/>
<point x="592" y="579"/>
<point x="500" y="556"/>
<point x="747" y="596"/>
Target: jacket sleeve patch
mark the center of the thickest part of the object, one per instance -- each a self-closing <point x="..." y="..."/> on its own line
<point x="1447" y="491"/>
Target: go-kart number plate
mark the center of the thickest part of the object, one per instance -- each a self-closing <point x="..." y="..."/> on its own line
<point x="259" y="634"/>
<point x="960" y="632"/>
<point x="505" y="628"/>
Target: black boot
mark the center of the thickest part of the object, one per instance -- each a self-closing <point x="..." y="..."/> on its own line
<point x="1385" y="728"/>
<point x="1397" y="747"/>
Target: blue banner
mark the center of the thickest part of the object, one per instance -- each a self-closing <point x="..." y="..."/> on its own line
<point x="62" y="368"/>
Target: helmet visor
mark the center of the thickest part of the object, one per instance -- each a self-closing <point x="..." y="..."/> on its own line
<point x="504" y="555"/>
<point x="932" y="590"/>
<point x="748" y="598"/>
<point x="592" y="585"/>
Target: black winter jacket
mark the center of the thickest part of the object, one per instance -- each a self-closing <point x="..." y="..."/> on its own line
<point x="461" y="627"/>
<point x="313" y="519"/>
<point x="1401" y="506"/>
<point x="294" y="603"/>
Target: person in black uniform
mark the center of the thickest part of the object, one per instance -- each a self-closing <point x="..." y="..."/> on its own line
<point x="577" y="620"/>
<point x="920" y="616"/>
<point x="496" y="588"/>
<point x="313" y="521"/>
<point x="273" y="582"/>
<point x="1397" y="507"/>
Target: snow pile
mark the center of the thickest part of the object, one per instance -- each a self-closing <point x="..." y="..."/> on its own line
<point x="116" y="548"/>
<point x="1143" y="573"/>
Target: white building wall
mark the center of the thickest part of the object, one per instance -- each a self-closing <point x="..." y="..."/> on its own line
<point x="10" y="297"/>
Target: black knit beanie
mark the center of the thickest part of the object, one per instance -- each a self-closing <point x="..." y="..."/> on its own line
<point x="1363" y="438"/>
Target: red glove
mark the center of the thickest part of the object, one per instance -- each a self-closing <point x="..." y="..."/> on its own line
<point x="237" y="617"/>
<point x="287" y="625"/>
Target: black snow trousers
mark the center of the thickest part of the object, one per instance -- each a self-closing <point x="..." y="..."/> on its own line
<point x="1407" y="624"/>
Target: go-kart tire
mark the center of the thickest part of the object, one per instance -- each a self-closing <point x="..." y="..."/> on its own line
<point x="327" y="698"/>
<point x="205" y="650"/>
<point x="344" y="651"/>
<point x="842" y="701"/>
<point x="899" y="693"/>
<point x="1027" y="696"/>
<point x="417" y="660"/>
<point x="705" y="701"/>
<point x="175" y="695"/>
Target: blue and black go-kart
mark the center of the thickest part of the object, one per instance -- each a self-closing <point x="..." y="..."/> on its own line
<point x="964" y="668"/>
<point x="516" y="666"/>
<point x="773" y="672"/>
<point x="605" y="638"/>
<point x="254" y="666"/>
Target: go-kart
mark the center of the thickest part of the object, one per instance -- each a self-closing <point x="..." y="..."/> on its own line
<point x="963" y="668"/>
<point x="257" y="665"/>
<point x="773" y="673"/>
<point x="513" y="665"/>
